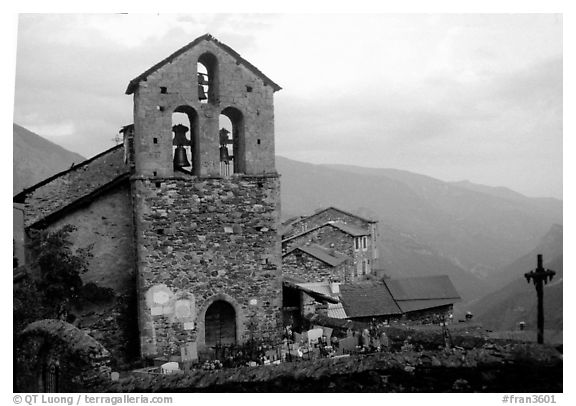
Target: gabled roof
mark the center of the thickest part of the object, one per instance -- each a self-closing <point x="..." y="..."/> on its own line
<point x="422" y="288"/>
<point x="206" y="37"/>
<point x="75" y="187"/>
<point x="329" y="257"/>
<point x="345" y="228"/>
<point x="368" y="299"/>
<point x="343" y="212"/>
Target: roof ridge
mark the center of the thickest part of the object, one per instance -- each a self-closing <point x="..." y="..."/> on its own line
<point x="20" y="196"/>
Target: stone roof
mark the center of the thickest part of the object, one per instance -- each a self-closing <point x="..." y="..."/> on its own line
<point x="346" y="228"/>
<point x="368" y="299"/>
<point x="367" y="220"/>
<point x="350" y="229"/>
<point x="206" y="37"/>
<point x="329" y="257"/>
<point x="78" y="185"/>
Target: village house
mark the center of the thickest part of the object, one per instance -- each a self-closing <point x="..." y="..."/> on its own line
<point x="310" y="243"/>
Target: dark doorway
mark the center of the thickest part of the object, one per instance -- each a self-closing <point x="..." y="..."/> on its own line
<point x="220" y="324"/>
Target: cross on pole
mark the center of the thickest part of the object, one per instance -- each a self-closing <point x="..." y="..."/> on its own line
<point x="540" y="277"/>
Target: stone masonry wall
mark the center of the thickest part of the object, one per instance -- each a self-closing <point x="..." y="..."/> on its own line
<point x="235" y="86"/>
<point x="307" y="268"/>
<point x="202" y="240"/>
<point x="326" y="236"/>
<point x="106" y="225"/>
<point x="73" y="185"/>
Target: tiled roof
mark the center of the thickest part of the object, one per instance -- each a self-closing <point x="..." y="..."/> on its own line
<point x="367" y="299"/>
<point x="330" y="257"/>
<point x="206" y="37"/>
<point x="422" y="288"/>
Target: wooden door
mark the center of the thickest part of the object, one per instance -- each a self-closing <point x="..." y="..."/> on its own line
<point x="220" y="324"/>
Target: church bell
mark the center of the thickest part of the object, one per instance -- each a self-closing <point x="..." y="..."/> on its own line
<point x="180" y="157"/>
<point x="201" y="93"/>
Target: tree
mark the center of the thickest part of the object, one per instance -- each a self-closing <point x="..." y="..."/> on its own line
<point x="56" y="281"/>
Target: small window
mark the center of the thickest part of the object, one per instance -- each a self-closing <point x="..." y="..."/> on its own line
<point x="356" y="244"/>
<point x="163" y="89"/>
<point x="249" y="89"/>
<point x="155" y="140"/>
<point x="364" y="267"/>
<point x="364" y="243"/>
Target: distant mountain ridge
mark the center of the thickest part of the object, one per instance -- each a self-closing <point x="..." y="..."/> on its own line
<point x="35" y="158"/>
<point x="426" y="226"/>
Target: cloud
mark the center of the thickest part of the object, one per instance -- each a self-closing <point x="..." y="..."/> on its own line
<point x="446" y="95"/>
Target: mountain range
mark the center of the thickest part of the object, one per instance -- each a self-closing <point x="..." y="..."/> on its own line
<point x="35" y="158"/>
<point x="483" y="237"/>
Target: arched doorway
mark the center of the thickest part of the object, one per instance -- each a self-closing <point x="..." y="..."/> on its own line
<point x="220" y="324"/>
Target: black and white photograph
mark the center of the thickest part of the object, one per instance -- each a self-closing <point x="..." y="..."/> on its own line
<point x="224" y="202"/>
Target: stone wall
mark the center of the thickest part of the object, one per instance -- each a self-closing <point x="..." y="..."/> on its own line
<point x="331" y="237"/>
<point x="174" y="85"/>
<point x="508" y="368"/>
<point x="78" y="361"/>
<point x="305" y="267"/>
<point x="202" y="240"/>
<point x="106" y="226"/>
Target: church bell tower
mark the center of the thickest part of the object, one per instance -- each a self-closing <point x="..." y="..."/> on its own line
<point x="206" y="199"/>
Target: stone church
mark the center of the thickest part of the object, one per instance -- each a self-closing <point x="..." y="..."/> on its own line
<point x="183" y="217"/>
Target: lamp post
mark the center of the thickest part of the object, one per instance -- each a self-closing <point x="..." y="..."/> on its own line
<point x="540" y="277"/>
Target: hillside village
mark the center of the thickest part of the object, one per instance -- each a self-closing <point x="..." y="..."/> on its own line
<point x="183" y="222"/>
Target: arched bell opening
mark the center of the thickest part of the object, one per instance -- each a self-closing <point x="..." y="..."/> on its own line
<point x="185" y="151"/>
<point x="231" y="138"/>
<point x="220" y="324"/>
<point x="206" y="70"/>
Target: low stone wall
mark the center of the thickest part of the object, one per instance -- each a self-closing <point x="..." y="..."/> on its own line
<point x="507" y="368"/>
<point x="77" y="360"/>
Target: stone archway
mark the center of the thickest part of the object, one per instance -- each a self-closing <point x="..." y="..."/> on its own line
<point x="239" y="319"/>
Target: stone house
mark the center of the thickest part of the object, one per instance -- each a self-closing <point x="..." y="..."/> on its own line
<point x="183" y="217"/>
<point x="314" y="263"/>
<point x="337" y="231"/>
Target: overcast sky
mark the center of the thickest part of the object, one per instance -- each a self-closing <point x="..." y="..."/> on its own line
<point x="475" y="97"/>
